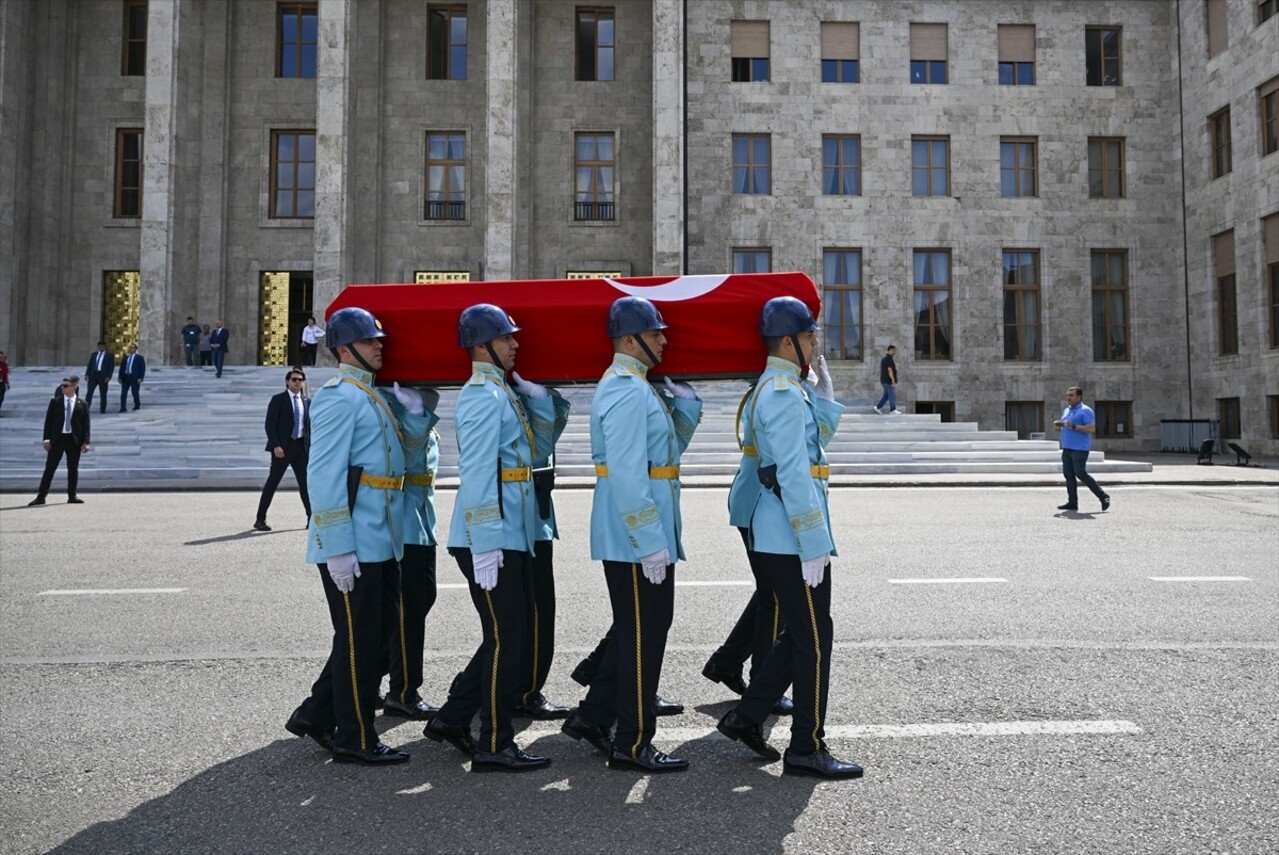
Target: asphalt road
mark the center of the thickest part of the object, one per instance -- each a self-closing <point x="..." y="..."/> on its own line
<point x="1076" y="706"/>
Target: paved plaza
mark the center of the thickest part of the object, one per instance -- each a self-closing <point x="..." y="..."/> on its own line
<point x="1013" y="679"/>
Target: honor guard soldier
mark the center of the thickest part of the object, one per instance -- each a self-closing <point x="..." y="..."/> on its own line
<point x="790" y="545"/>
<point x="637" y="437"/>
<point x="492" y="537"/>
<point x="356" y="535"/>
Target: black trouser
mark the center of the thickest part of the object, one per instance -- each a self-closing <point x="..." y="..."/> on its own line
<point x="62" y="444"/>
<point x="308" y="353"/>
<point x="408" y="637"/>
<point x="491" y="683"/>
<point x="800" y="656"/>
<point x="345" y="694"/>
<point x="1074" y="465"/>
<point x="295" y="455"/>
<point x="127" y="383"/>
<point x="625" y="686"/>
<point x="539" y="631"/>
<point x="101" y="386"/>
<point x="758" y="626"/>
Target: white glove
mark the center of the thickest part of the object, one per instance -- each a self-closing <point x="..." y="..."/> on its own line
<point x="410" y="398"/>
<point x="344" y="569"/>
<point x="814" y="569"/>
<point x="655" y="566"/>
<point x="527" y="389"/>
<point x="823" y="387"/>
<point x="680" y="389"/>
<point x="485" y="565"/>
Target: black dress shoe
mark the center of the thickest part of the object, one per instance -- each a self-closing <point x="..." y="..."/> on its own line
<point x="583" y="673"/>
<point x="1105" y="504"/>
<point x="661" y="706"/>
<point x="455" y="735"/>
<point x="819" y="764"/>
<point x="649" y="759"/>
<point x="783" y="706"/>
<point x="577" y="727"/>
<point x="261" y="526"/>
<point x="509" y="759"/>
<point x="419" y="709"/>
<point x="740" y="730"/>
<point x="74" y="501"/>
<point x="34" y="502"/>
<point x="540" y="708"/>
<point x="1068" y="507"/>
<point x="378" y="755"/>
<point x="731" y="679"/>
<point x="298" y="725"/>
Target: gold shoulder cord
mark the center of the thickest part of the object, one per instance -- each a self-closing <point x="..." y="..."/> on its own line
<point x="377" y="399"/>
<point x="519" y="411"/>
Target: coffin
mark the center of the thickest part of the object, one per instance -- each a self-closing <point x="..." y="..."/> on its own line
<point x="713" y="324"/>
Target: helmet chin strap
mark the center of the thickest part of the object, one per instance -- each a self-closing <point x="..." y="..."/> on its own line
<point x="360" y="359"/>
<point x="652" y="360"/>
<point x="488" y="345"/>
<point x="803" y="360"/>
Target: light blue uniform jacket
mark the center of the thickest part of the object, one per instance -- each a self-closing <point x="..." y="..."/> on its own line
<point x="493" y="427"/>
<point x="785" y="428"/>
<point x="355" y="424"/>
<point x="634" y="426"/>
<point x="546" y="526"/>
<point x="744" y="492"/>
<point x="422" y="457"/>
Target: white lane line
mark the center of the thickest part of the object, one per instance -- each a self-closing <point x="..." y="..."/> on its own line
<point x="457" y="585"/>
<point x="1200" y="579"/>
<point x="1098" y="727"/>
<point x="103" y="591"/>
<point x="678" y="584"/>
<point x="973" y="580"/>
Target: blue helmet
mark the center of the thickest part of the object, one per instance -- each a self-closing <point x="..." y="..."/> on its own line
<point x="784" y="316"/>
<point x="482" y="323"/>
<point x="632" y="316"/>
<point x="352" y="324"/>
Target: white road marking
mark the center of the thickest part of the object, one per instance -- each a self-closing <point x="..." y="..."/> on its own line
<point x="1200" y="579"/>
<point x="637" y="793"/>
<point x="679" y="584"/>
<point x="413" y="791"/>
<point x="97" y="591"/>
<point x="671" y="735"/>
<point x="972" y="580"/>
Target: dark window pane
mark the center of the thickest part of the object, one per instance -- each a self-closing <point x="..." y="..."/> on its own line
<point x="1025" y="73"/>
<point x="308" y="61"/>
<point x="937" y="72"/>
<point x="741" y="70"/>
<point x="1005" y="74"/>
<point x="851" y="72"/>
<point x="759" y="69"/>
<point x="605" y="71"/>
<point x="1092" y="56"/>
<point x="306" y="146"/>
<point x="457" y="63"/>
<point x="306" y="203"/>
<point x="585" y="46"/>
<point x="309" y="27"/>
<point x="917" y="71"/>
<point x="288" y="60"/>
<point x="829" y="71"/>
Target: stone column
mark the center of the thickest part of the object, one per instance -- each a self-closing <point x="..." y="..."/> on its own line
<point x="334" y="104"/>
<point x="500" y="191"/>
<point x="15" y="37"/>
<point x="668" y="137"/>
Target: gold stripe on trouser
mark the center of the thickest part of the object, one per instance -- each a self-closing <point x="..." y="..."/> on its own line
<point x="497" y="650"/>
<point x="355" y="683"/>
<point x="404" y="650"/>
<point x="817" y="674"/>
<point x="777" y="616"/>
<point x="639" y="664"/>
<point x="536" y="632"/>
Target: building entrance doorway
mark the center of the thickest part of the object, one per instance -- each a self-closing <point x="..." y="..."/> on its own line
<point x="286" y="303"/>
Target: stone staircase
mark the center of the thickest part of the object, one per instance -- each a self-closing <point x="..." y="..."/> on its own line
<point x="195" y="431"/>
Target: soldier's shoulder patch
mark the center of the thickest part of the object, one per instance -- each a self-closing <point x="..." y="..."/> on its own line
<point x="477" y="379"/>
<point x="780" y="383"/>
<point x="333" y="382"/>
<point x="621" y="371"/>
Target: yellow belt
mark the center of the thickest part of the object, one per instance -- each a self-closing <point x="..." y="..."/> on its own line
<point x="382" y="482"/>
<point x="818" y="470"/>
<point x="425" y="479"/>
<point x="669" y="473"/>
<point x="523" y="473"/>
<point x="750" y="451"/>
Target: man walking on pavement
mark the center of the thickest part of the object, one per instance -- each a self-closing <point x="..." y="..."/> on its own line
<point x="288" y="439"/>
<point x="1077" y="424"/>
<point x="66" y="431"/>
<point x="97" y="374"/>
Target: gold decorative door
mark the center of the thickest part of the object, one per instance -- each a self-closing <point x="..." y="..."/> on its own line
<point x="273" y="339"/>
<point x="120" y="308"/>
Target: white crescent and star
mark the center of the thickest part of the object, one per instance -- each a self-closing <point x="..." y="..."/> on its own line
<point x="678" y="289"/>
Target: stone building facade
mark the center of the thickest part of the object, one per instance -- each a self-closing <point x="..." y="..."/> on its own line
<point x="242" y="160"/>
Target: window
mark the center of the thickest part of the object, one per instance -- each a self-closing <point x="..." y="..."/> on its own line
<point x="1223" y="258"/>
<point x="1266" y="10"/>
<point x="296" y="28"/>
<point x="1018" y="172"/>
<point x="1219" y="131"/>
<point x="751" y="164"/>
<point x="1270" y="236"/>
<point x="1025" y="417"/>
<point x="446" y="43"/>
<point x="1114" y="419"/>
<point x="593" y="165"/>
<point x="135" y="38"/>
<point x="842" y="303"/>
<point x="841" y="165"/>
<point x="748" y="260"/>
<point x="749" y="51"/>
<point x="1021" y="305"/>
<point x="932" y="304"/>
<point x="841" y="50"/>
<point x="445" y="176"/>
<point x="1215" y="21"/>
<point x="128" y="173"/>
<point x="927" y="53"/>
<point x="595" y="44"/>
<point x="1268" y="106"/>
<point x="292" y="174"/>
<point x="592" y="274"/>
<point x="432" y="277"/>
<point x="1228" y="415"/>
<point x="1272" y="402"/>
<point x="1105" y="167"/>
<point x="1103" y="56"/>
<point x="930" y="166"/>
<point x="945" y="409"/>
<point x="1016" y="54"/>
<point x="1110" y="305"/>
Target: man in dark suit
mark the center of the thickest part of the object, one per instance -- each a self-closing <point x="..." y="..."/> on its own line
<point x="97" y="374"/>
<point x="66" y="431"/>
<point x="288" y="438"/>
<point x="217" y="341"/>
<point x="133" y="370"/>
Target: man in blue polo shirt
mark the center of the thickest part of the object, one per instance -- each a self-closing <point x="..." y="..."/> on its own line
<point x="1077" y="425"/>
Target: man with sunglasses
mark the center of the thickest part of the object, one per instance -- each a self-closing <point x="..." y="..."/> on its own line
<point x="66" y="431"/>
<point x="288" y="439"/>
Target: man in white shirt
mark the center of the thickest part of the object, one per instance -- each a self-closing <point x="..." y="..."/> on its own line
<point x="311" y="335"/>
<point x="66" y="431"/>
